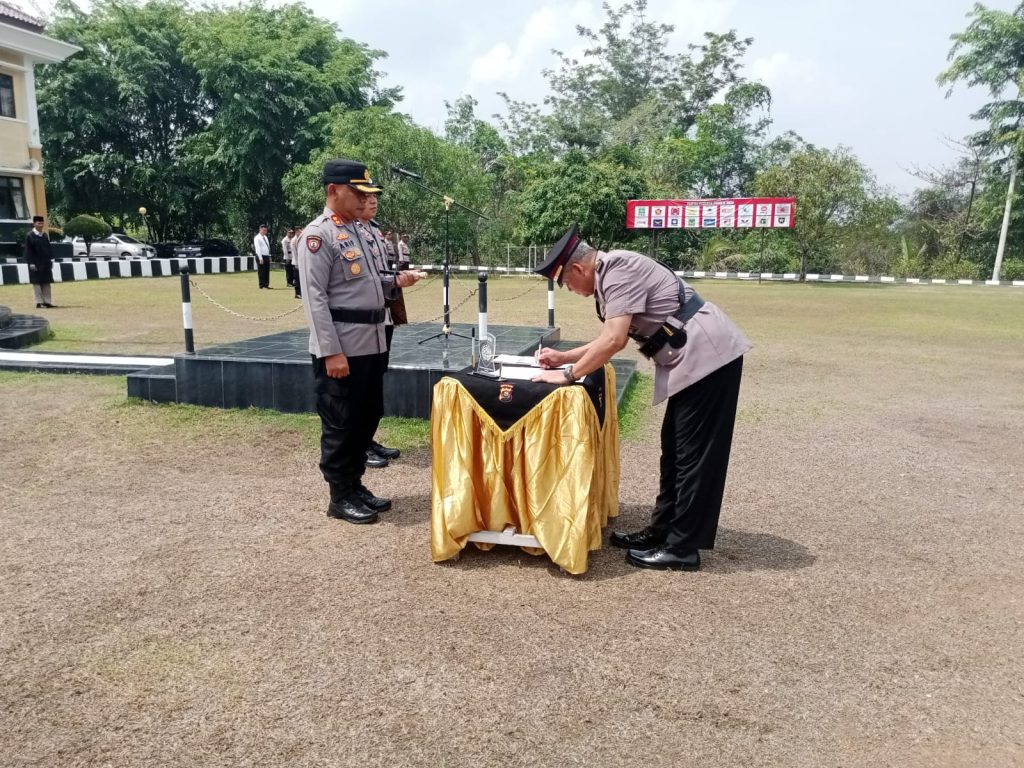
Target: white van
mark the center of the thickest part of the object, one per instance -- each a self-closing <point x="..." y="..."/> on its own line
<point x="115" y="247"/>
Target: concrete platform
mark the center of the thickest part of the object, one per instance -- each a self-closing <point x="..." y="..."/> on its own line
<point x="275" y="371"/>
<point x="17" y="331"/>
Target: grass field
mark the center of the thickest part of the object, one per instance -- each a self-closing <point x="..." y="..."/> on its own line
<point x="172" y="594"/>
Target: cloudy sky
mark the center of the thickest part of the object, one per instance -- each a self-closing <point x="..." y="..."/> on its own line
<point x="841" y="72"/>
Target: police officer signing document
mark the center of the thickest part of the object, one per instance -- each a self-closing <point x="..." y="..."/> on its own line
<point x="343" y="293"/>
<point x="698" y="357"/>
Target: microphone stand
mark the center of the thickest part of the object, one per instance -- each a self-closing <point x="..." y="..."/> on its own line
<point x="446" y="330"/>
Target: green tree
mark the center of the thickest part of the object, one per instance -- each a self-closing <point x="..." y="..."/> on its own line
<point x="591" y="193"/>
<point x="88" y="228"/>
<point x="836" y="196"/>
<point x="990" y="53"/>
<point x="381" y="139"/>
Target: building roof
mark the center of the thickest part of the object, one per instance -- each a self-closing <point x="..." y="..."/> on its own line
<point x="13" y="15"/>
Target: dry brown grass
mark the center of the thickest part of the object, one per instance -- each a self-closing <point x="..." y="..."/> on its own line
<point x="172" y="594"/>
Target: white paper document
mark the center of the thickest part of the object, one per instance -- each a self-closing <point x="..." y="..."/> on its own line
<point x="520" y="360"/>
<point x="524" y="373"/>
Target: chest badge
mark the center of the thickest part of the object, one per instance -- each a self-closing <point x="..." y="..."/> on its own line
<point x="351" y="255"/>
<point x="313" y="243"/>
<point x="505" y="392"/>
<point x="355" y="269"/>
<point x="344" y="236"/>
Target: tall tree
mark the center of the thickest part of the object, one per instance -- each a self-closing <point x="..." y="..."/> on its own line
<point x="990" y="53"/>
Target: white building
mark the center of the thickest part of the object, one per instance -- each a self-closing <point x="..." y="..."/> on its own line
<point x="22" y="46"/>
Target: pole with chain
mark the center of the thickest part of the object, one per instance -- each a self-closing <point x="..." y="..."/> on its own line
<point x="186" y="312"/>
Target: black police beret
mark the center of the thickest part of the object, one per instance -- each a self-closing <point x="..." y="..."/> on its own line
<point x="350" y="172"/>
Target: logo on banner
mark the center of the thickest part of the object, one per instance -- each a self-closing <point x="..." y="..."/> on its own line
<point x="675" y="221"/>
<point x="675" y="210"/>
<point x="764" y="209"/>
<point x="764" y="221"/>
<point x="657" y="223"/>
<point x="640" y="212"/>
<point x="692" y="222"/>
<point x="641" y="223"/>
<point x="782" y="221"/>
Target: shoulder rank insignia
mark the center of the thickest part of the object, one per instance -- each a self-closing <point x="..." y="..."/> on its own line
<point x="505" y="392"/>
<point x="313" y="243"/>
<point x="351" y="255"/>
<point x="337" y="220"/>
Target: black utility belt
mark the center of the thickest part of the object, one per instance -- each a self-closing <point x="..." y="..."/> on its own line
<point x="358" y="316"/>
<point x="671" y="332"/>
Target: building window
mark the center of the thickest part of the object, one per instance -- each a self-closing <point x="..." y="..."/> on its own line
<point x="7" y="96"/>
<point x="12" y="198"/>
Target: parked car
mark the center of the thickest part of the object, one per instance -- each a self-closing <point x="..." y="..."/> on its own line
<point x="212" y="247"/>
<point x="115" y="247"/>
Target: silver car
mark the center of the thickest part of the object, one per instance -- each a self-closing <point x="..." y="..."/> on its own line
<point x="115" y="247"/>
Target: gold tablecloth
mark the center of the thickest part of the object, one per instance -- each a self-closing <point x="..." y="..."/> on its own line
<point x="554" y="474"/>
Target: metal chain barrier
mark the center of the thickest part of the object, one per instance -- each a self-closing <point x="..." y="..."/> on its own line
<point x="452" y="309"/>
<point x="423" y="284"/>
<point x="217" y="304"/>
<point x="519" y="295"/>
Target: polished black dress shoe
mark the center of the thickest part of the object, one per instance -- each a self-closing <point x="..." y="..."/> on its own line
<point x="352" y="510"/>
<point x="648" y="538"/>
<point x="375" y="503"/>
<point x="384" y="452"/>
<point x="50" y="306"/>
<point x="375" y="461"/>
<point x="40" y="306"/>
<point x="664" y="559"/>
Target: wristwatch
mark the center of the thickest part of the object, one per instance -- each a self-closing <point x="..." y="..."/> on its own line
<point x="569" y="376"/>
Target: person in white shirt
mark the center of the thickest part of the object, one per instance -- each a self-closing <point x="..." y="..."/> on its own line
<point x="286" y="250"/>
<point x="295" y="262"/>
<point x="403" y="252"/>
<point x="261" y="247"/>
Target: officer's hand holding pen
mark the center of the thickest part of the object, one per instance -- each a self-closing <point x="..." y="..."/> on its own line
<point x="337" y="366"/>
<point x="547" y="357"/>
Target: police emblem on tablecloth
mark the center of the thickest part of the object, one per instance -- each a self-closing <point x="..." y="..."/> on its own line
<point x="351" y="255"/>
<point x="505" y="392"/>
<point x="313" y="243"/>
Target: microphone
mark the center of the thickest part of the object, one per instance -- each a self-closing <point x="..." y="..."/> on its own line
<point x="403" y="172"/>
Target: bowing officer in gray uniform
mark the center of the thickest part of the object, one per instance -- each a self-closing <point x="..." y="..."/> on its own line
<point x="698" y="361"/>
<point x="343" y="293"/>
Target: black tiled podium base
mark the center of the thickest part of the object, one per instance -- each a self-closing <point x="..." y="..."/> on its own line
<point x="275" y="371"/>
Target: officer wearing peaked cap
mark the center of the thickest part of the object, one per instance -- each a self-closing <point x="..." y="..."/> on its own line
<point x="343" y="293"/>
<point x="698" y="361"/>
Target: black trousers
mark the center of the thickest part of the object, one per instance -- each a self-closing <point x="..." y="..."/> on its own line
<point x="389" y="332"/>
<point x="298" y="284"/>
<point x="696" y="437"/>
<point x="289" y="271"/>
<point x="350" y="410"/>
<point x="263" y="272"/>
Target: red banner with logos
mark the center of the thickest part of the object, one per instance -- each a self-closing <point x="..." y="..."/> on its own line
<point x="717" y="213"/>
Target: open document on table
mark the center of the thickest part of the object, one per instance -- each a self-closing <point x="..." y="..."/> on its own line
<point x="521" y="367"/>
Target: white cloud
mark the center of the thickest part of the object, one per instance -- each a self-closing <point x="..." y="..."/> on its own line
<point x="548" y="27"/>
<point x="798" y="79"/>
<point x="692" y="18"/>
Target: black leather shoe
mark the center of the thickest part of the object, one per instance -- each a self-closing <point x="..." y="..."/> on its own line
<point x="352" y="510"/>
<point x="648" y="538"/>
<point x="664" y="559"/>
<point x="40" y="306"/>
<point x="384" y="452"/>
<point x="375" y="461"/>
<point x="375" y="503"/>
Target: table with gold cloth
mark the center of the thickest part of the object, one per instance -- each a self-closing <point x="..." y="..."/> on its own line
<point x="552" y="474"/>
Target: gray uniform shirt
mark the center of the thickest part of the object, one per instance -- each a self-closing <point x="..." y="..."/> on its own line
<point x="630" y="283"/>
<point x="338" y="270"/>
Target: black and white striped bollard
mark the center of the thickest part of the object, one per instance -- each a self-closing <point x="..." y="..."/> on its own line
<point x="186" y="312"/>
<point x="551" y="303"/>
<point x="482" y="318"/>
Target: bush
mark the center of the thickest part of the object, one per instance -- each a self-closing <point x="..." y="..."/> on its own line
<point x="55" y="233"/>
<point x="1013" y="269"/>
<point x="956" y="269"/>
<point x="88" y="228"/>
